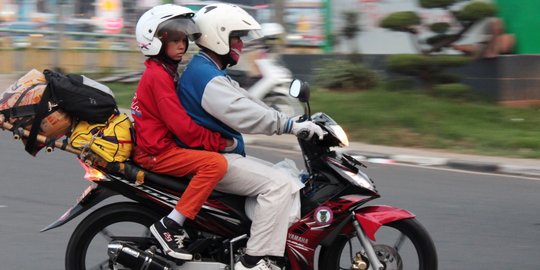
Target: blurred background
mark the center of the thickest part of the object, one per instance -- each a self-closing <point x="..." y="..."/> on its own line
<point x="311" y="26"/>
<point x="479" y="54"/>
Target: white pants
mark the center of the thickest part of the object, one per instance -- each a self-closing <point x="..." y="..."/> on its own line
<point x="252" y="177"/>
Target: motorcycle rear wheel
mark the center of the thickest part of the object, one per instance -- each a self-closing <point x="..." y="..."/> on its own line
<point x="400" y="245"/>
<point x="128" y="218"/>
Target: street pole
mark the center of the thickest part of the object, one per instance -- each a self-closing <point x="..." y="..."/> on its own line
<point x="279" y="11"/>
<point x="327" y="15"/>
<point x="59" y="33"/>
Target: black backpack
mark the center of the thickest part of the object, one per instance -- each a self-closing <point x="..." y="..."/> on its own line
<point x="79" y="96"/>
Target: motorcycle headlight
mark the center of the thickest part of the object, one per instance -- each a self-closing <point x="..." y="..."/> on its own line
<point x="340" y="134"/>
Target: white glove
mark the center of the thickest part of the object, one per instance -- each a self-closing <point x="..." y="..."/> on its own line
<point x="307" y="127"/>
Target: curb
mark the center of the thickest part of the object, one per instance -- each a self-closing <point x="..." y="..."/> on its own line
<point x="473" y="166"/>
<point x="384" y="158"/>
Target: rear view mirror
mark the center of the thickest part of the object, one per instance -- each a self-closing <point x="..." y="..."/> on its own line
<point x="299" y="89"/>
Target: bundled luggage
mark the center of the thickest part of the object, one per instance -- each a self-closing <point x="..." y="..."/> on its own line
<point x="54" y="105"/>
<point x="111" y="140"/>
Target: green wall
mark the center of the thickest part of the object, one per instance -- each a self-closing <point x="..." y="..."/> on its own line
<point x="522" y="18"/>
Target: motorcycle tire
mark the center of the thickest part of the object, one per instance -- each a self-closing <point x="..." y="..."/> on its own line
<point x="100" y="221"/>
<point x="340" y="256"/>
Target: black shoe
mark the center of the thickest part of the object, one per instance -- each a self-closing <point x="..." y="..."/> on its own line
<point x="171" y="236"/>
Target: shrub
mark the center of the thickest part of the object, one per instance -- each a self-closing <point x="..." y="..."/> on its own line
<point x="456" y="91"/>
<point x="399" y="84"/>
<point x="407" y="64"/>
<point x="344" y="75"/>
<point x="445" y="78"/>
<point x="401" y="21"/>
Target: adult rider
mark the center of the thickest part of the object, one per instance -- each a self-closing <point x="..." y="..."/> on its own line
<point x="217" y="102"/>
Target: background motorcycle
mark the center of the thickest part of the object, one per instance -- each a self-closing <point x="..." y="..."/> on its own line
<point x="264" y="75"/>
<point x="338" y="230"/>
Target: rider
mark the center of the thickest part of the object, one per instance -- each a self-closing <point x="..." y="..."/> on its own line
<point x="159" y="120"/>
<point x="217" y="102"/>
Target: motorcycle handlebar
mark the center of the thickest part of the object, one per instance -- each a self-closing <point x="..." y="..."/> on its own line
<point x="303" y="135"/>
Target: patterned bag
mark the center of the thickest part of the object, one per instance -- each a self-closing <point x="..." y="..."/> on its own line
<point x="19" y="103"/>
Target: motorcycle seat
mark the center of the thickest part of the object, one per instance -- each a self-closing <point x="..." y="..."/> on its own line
<point x="177" y="185"/>
<point x="164" y="182"/>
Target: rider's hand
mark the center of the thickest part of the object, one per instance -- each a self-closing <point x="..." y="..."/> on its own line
<point x="2" y="118"/>
<point x="297" y="118"/>
<point x="307" y="127"/>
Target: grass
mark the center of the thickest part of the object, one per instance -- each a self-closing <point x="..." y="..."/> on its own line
<point x="123" y="93"/>
<point x="413" y="120"/>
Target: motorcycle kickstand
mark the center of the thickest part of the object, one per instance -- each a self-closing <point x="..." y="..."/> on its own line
<point x="368" y="247"/>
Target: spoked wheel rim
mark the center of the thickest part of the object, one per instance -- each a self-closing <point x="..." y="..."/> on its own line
<point x="400" y="245"/>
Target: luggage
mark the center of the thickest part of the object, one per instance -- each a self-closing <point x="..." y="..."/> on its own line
<point x="111" y="141"/>
<point x="82" y="98"/>
<point x="19" y="102"/>
<point x="48" y="103"/>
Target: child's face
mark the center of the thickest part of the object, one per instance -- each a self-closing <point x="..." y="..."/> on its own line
<point x="176" y="49"/>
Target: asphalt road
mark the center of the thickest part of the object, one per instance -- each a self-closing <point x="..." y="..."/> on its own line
<point x="477" y="221"/>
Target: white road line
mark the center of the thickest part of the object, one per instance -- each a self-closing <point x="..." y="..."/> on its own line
<point x="470" y="172"/>
<point x="1" y="206"/>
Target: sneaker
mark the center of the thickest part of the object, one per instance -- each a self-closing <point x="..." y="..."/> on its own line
<point x="263" y="264"/>
<point x="171" y="236"/>
<point x="273" y="265"/>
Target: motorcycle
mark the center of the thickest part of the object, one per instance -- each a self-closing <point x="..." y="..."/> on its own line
<point x="271" y="83"/>
<point x="338" y="229"/>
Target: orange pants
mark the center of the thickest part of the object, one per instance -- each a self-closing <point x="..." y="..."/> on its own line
<point x="206" y="169"/>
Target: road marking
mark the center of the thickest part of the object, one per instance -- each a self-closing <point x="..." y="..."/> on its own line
<point x="2" y="206"/>
<point x="470" y="172"/>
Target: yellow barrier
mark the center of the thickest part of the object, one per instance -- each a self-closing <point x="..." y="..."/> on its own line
<point x="71" y="56"/>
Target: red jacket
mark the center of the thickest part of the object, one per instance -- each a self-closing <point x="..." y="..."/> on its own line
<point x="159" y="116"/>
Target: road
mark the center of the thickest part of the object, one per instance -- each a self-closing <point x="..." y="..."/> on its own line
<point x="477" y="221"/>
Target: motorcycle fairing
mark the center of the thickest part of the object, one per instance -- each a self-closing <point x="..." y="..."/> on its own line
<point x="305" y="235"/>
<point x="371" y="218"/>
<point x="90" y="197"/>
<point x="355" y="176"/>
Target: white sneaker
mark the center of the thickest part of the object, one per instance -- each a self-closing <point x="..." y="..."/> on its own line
<point x="261" y="265"/>
<point x="272" y="265"/>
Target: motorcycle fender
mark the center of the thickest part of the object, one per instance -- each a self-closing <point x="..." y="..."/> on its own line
<point x="90" y="197"/>
<point x="371" y="218"/>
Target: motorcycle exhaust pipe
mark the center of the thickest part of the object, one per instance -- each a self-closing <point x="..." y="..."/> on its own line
<point x="134" y="258"/>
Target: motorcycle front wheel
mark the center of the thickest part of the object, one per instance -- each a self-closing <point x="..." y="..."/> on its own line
<point x="399" y="245"/>
<point x="87" y="247"/>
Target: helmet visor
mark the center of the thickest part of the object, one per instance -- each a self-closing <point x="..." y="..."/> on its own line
<point x="178" y="28"/>
<point x="247" y="35"/>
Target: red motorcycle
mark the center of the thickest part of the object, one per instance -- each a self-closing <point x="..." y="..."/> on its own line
<point x="338" y="229"/>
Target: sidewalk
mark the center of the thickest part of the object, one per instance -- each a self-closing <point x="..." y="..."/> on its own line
<point x="424" y="157"/>
<point x="388" y="154"/>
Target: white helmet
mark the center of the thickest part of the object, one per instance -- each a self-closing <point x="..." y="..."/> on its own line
<point x="217" y="21"/>
<point x="152" y="22"/>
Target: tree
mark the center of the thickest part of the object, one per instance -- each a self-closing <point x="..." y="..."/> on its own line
<point x="428" y="66"/>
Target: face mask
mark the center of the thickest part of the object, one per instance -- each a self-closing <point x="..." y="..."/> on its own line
<point x="236" y="50"/>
